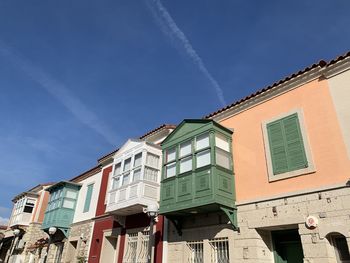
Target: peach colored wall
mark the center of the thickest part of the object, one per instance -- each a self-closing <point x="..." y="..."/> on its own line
<point x="37" y="204"/>
<point x="326" y="143"/>
<point x="45" y="197"/>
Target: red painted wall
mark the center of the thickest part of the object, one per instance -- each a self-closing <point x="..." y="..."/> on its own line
<point x="132" y="221"/>
<point x="97" y="237"/>
<point x="100" y="223"/>
<point x="101" y="207"/>
<point x="159" y="240"/>
<point x="142" y="220"/>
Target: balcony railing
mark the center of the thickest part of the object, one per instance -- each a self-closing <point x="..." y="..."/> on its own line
<point x="21" y="219"/>
<point x="131" y="198"/>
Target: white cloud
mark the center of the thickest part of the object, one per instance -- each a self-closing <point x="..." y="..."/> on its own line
<point x="170" y="28"/>
<point x="60" y="92"/>
<point x="4" y="221"/>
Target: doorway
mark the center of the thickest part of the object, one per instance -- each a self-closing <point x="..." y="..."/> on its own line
<point x="287" y="246"/>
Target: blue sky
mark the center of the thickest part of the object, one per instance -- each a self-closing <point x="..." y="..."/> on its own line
<point x="77" y="78"/>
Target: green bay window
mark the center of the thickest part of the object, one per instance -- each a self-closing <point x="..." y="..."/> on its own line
<point x="197" y="170"/>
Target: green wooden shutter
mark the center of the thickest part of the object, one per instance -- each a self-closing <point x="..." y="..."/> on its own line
<point x="286" y="145"/>
<point x="277" y="147"/>
<point x="88" y="198"/>
<point x="294" y="143"/>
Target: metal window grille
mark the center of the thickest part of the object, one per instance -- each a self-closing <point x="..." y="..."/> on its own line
<point x="131" y="248"/>
<point x="136" y="248"/>
<point x="196" y="251"/>
<point x="143" y="247"/>
<point x="219" y="250"/>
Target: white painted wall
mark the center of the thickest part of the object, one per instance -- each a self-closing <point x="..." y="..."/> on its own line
<point x="340" y="92"/>
<point x="79" y="215"/>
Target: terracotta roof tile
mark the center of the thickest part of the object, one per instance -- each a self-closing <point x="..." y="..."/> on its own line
<point x="321" y="64"/>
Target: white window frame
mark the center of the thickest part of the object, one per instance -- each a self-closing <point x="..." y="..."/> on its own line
<point x="311" y="167"/>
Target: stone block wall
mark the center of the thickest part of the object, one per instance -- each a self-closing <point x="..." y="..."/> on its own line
<point x="257" y="219"/>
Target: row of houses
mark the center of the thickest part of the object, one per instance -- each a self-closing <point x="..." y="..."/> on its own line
<point x="265" y="179"/>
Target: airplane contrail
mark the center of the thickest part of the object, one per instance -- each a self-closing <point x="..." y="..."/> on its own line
<point x="170" y="28"/>
<point x="60" y="92"/>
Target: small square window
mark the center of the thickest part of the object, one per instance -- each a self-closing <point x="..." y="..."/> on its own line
<point x="186" y="164"/>
<point x="202" y="141"/>
<point x="170" y="170"/>
<point x="185" y="148"/>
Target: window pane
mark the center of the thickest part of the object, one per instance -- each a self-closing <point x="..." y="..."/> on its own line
<point x="222" y="142"/>
<point x="202" y="141"/>
<point x="127" y="163"/>
<point x="68" y="203"/>
<point x="125" y="179"/>
<point x="138" y="158"/>
<point x="71" y="194"/>
<point x="170" y="170"/>
<point x="171" y="155"/>
<point x="203" y="158"/>
<point x="151" y="174"/>
<point x="186" y="164"/>
<point x="117" y="168"/>
<point x="152" y="160"/>
<point x="115" y="183"/>
<point x="223" y="158"/>
<point x="28" y="209"/>
<point x="137" y="175"/>
<point x="185" y="148"/>
<point x="88" y="197"/>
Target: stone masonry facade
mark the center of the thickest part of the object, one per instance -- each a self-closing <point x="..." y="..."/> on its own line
<point x="30" y="252"/>
<point x="331" y="207"/>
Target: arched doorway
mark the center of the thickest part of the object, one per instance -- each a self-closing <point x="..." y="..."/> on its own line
<point x="340" y="245"/>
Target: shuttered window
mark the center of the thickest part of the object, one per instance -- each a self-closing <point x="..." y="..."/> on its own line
<point x="88" y="197"/>
<point x="286" y="145"/>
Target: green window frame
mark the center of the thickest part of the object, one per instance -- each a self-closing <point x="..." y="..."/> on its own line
<point x="287" y="146"/>
<point x="88" y="197"/>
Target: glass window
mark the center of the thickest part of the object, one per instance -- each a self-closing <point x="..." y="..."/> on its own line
<point x="137" y="175"/>
<point x="125" y="179"/>
<point x="138" y="159"/>
<point x="151" y="174"/>
<point x="170" y="170"/>
<point x="29" y="206"/>
<point x="185" y="148"/>
<point x="203" y="158"/>
<point x="202" y="141"/>
<point x="115" y="183"/>
<point x="127" y="164"/>
<point x="222" y="142"/>
<point x="223" y="158"/>
<point x="68" y="203"/>
<point x="171" y="155"/>
<point x="186" y="164"/>
<point x="152" y="160"/>
<point x="88" y="198"/>
<point x="71" y="194"/>
<point x="117" y="168"/>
